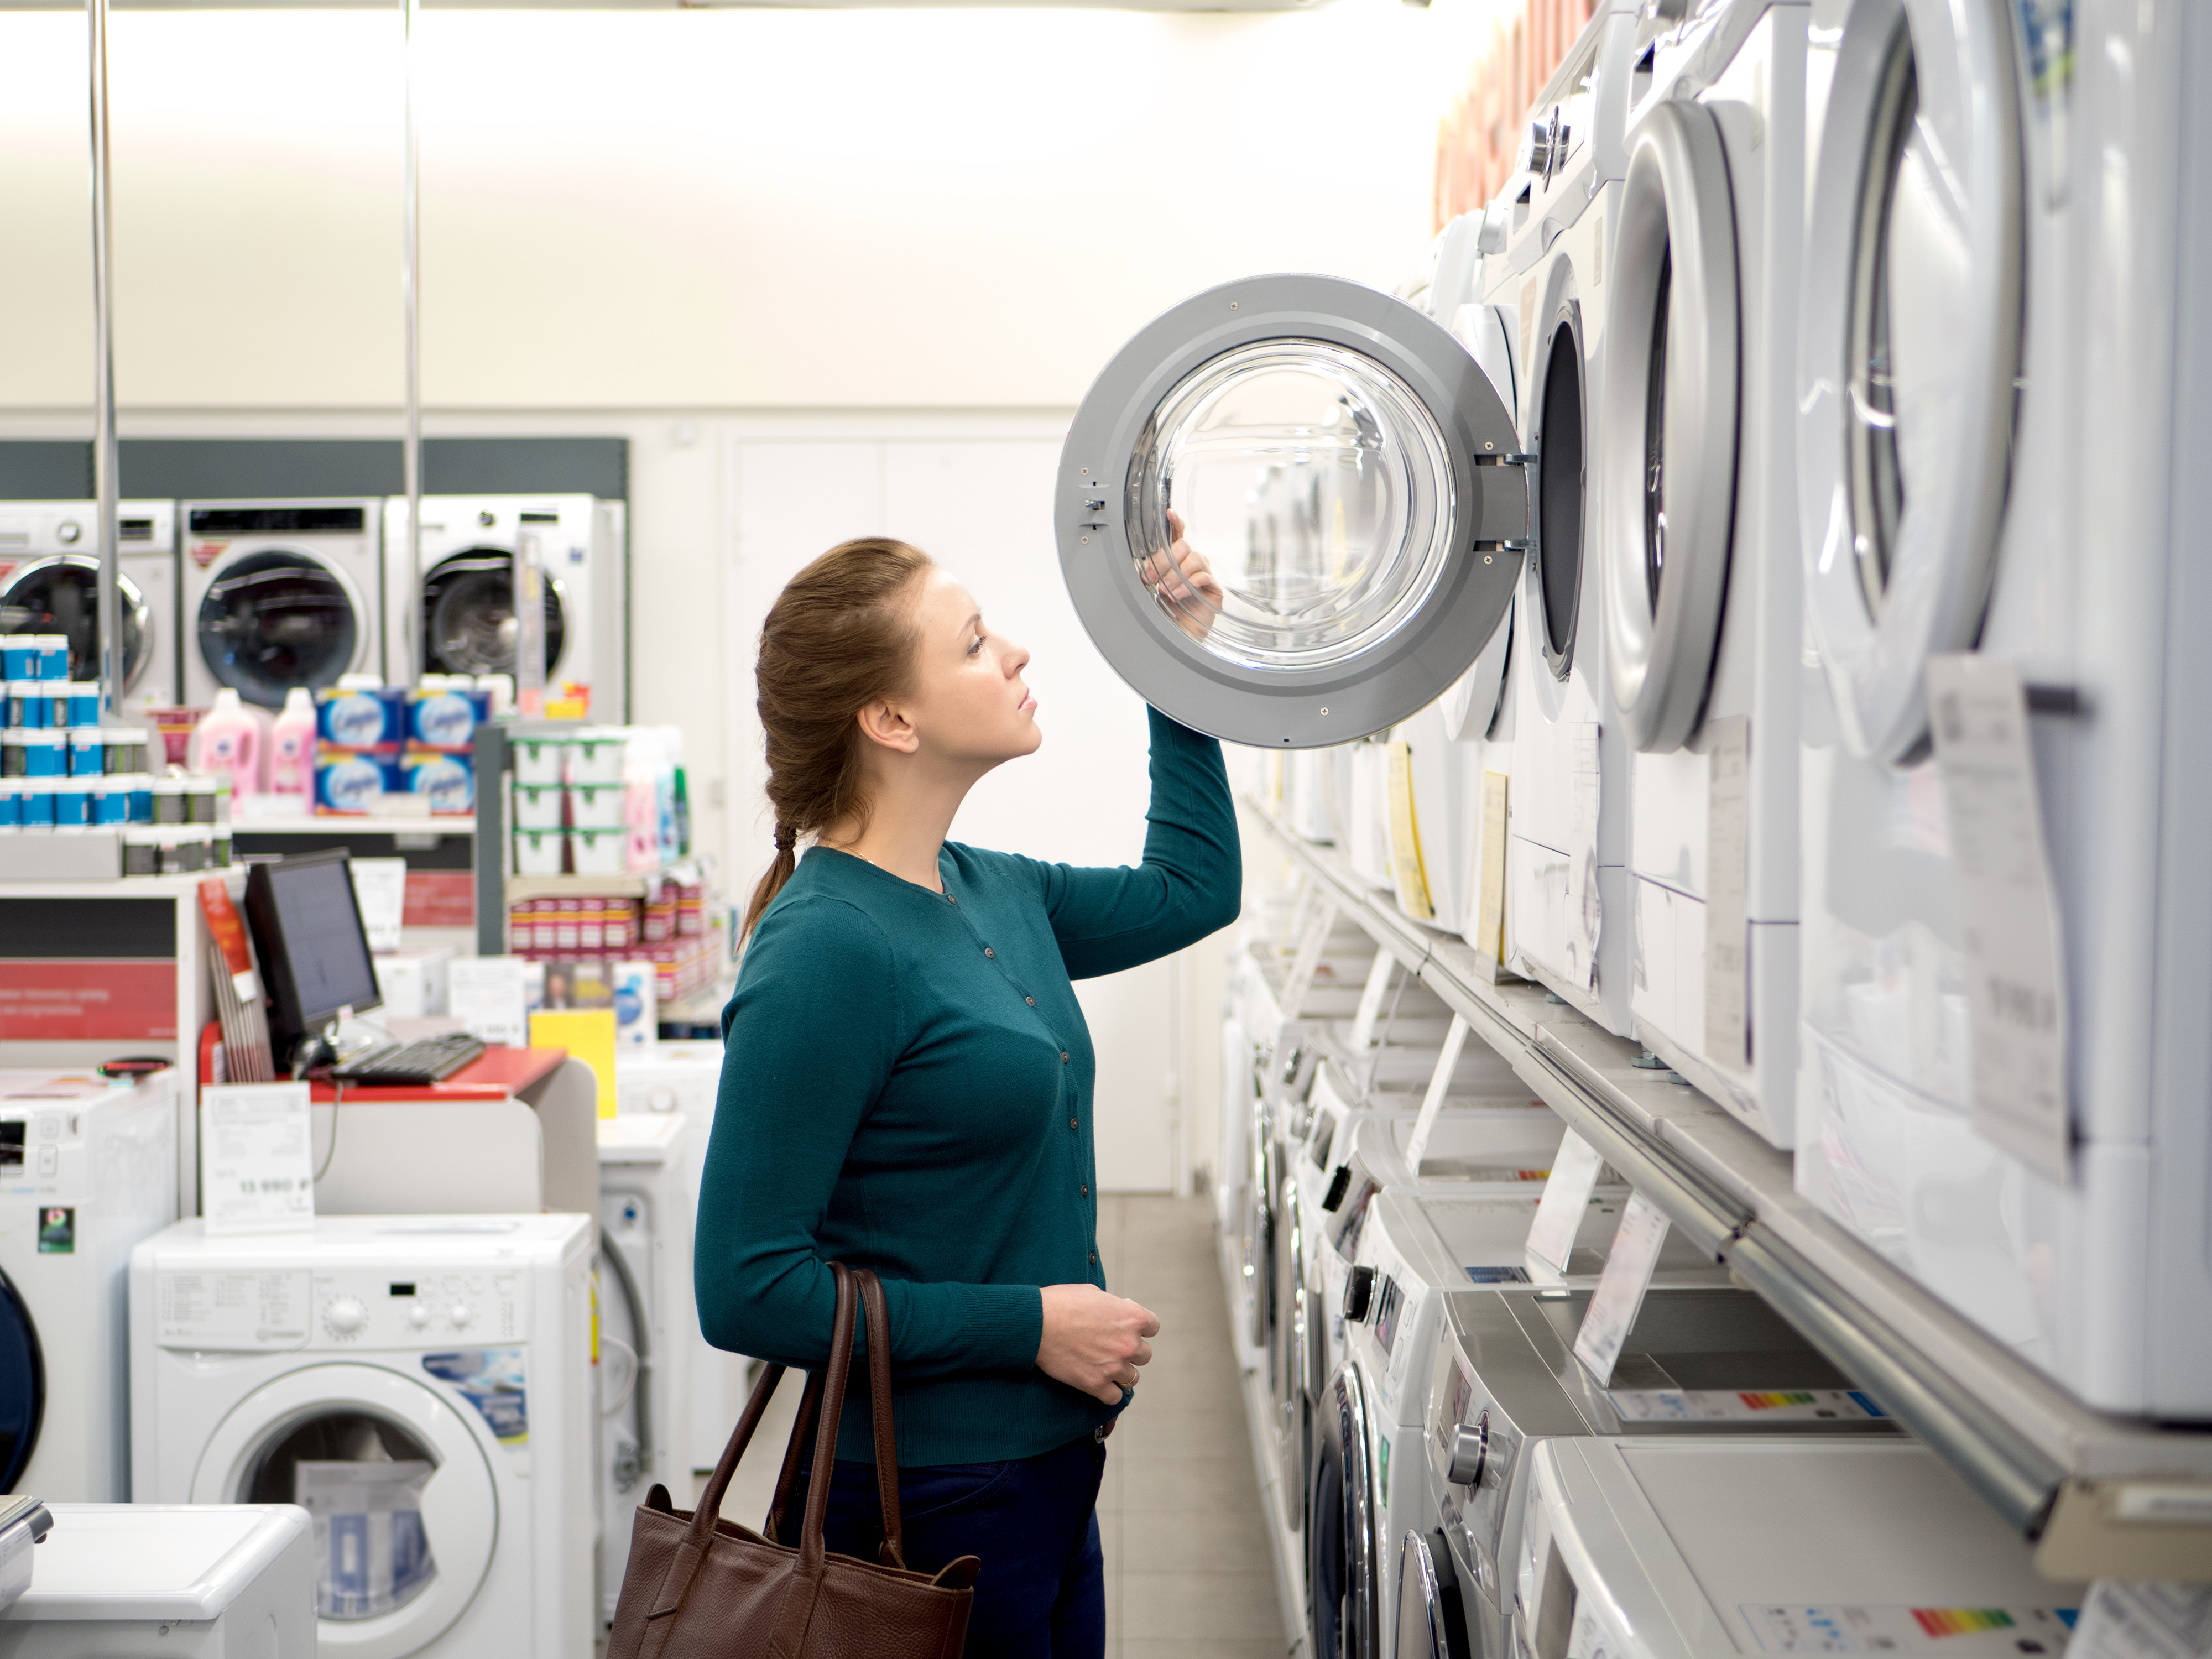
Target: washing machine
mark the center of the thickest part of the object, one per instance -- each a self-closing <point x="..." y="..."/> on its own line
<point x="1407" y="1251"/>
<point x="1696" y="456"/>
<point x="421" y="1385"/>
<point x="50" y="584"/>
<point x="459" y="605"/>
<point x="275" y="594"/>
<point x="1566" y="919"/>
<point x="87" y="1169"/>
<point x="647" y="1317"/>
<point x="1681" y="1549"/>
<point x="686" y="1078"/>
<point x="2002" y="356"/>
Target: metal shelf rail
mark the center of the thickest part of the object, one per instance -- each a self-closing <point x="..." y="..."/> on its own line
<point x="2097" y="1495"/>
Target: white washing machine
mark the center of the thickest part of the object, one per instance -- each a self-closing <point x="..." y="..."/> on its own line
<point x="2003" y="352"/>
<point x="87" y="1169"/>
<point x="458" y="608"/>
<point x="1704" y="629"/>
<point x="646" y="1319"/>
<point x="420" y="1384"/>
<point x="50" y="584"/>
<point x="686" y="1077"/>
<point x="1684" y="1549"/>
<point x="1697" y="1361"/>
<point x="1566" y="915"/>
<point x="214" y="1581"/>
<point x="1407" y="1251"/>
<point x="277" y="594"/>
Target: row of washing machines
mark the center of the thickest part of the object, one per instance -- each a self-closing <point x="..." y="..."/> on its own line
<point x="260" y="596"/>
<point x="471" y="1407"/>
<point x="1460" y="1485"/>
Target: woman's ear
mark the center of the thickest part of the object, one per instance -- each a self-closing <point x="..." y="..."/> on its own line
<point x="887" y="724"/>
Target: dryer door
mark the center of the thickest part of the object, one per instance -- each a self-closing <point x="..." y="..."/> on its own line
<point x="1341" y="1564"/>
<point x="1669" y="424"/>
<point x="1351" y="476"/>
<point x="468" y="616"/>
<point x="277" y="618"/>
<point x="22" y="1382"/>
<point x="405" y="1510"/>
<point x="61" y="595"/>
<point x="1429" y="1626"/>
<point x="1909" y="349"/>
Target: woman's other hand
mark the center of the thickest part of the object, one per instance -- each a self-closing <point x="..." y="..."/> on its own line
<point x="1185" y="583"/>
<point x="1094" y="1340"/>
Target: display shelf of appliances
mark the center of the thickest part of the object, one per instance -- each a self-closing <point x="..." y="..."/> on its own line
<point x="2099" y="1494"/>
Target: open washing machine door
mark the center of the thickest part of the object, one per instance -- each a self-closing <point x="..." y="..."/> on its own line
<point x="60" y="594"/>
<point x="1909" y="352"/>
<point x="1293" y="1411"/>
<point x="275" y="619"/>
<point x="1429" y="1625"/>
<point x="406" y="1512"/>
<point x="22" y="1382"/>
<point x="468" y="615"/>
<point x="1350" y="473"/>
<point x="1343" y="1570"/>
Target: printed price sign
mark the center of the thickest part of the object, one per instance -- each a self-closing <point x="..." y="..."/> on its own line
<point x="257" y="1169"/>
<point x="1620" y="1294"/>
<point x="1566" y="1198"/>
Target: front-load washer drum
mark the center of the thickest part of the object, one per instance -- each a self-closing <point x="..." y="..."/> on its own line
<point x="1559" y="490"/>
<point x="468" y="615"/>
<point x="61" y="595"/>
<point x="1346" y="468"/>
<point x="274" y="619"/>
<point x="22" y="1383"/>
<point x="1342" y="1570"/>
<point x="1909" y="352"/>
<point x="1429" y="1624"/>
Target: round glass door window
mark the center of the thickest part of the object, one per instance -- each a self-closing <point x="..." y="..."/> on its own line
<point x="1348" y="475"/>
<point x="1560" y="496"/>
<point x="468" y="616"/>
<point x="273" y="620"/>
<point x="360" y="1476"/>
<point x="22" y="1385"/>
<point x="61" y="595"/>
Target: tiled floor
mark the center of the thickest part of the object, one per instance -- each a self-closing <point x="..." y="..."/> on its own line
<point x="1188" y="1570"/>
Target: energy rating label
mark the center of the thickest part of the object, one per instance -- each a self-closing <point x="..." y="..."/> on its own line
<point x="1966" y="1631"/>
<point x="1744" y="1406"/>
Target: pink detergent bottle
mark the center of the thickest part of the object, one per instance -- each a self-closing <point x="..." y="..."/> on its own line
<point x="227" y="742"/>
<point x="292" y="746"/>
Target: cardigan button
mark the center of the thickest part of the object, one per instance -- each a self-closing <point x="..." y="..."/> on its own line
<point x="1087" y="1189"/>
<point x="988" y="951"/>
<point x="1063" y="1056"/>
<point x="1070" y="1123"/>
<point x="1030" y="1000"/>
<point x="1094" y="1258"/>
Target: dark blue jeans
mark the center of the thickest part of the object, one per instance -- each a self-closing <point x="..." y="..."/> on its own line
<point x="1032" y="1522"/>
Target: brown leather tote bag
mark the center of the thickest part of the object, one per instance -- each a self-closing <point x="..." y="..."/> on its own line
<point x="698" y="1587"/>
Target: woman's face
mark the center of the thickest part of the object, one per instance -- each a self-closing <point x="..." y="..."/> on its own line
<point x="968" y="703"/>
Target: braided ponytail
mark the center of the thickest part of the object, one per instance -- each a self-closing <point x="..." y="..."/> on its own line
<point x="838" y="637"/>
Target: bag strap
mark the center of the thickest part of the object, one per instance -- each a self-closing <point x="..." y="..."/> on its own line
<point x="789" y="1638"/>
<point x="786" y="1481"/>
<point x="893" y="1553"/>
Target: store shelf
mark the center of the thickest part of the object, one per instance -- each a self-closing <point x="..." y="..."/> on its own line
<point x="630" y="885"/>
<point x="2060" y="1473"/>
<point x="364" y="823"/>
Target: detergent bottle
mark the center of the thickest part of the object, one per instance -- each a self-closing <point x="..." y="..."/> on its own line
<point x="227" y="741"/>
<point x="292" y="746"/>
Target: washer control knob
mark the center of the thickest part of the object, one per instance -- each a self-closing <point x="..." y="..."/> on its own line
<point x="346" y="1316"/>
<point x="418" y="1315"/>
<point x="1470" y="1451"/>
<point x="462" y="1315"/>
<point x="68" y="532"/>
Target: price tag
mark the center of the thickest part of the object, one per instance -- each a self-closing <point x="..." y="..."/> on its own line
<point x="257" y="1170"/>
<point x="379" y="887"/>
<point x="1566" y="1199"/>
<point x="2123" y="1619"/>
<point x="1439" y="1085"/>
<point x="1620" y="1294"/>
<point x="486" y="994"/>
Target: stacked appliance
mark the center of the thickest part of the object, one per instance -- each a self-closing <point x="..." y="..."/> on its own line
<point x="277" y="594"/>
<point x="50" y="584"/>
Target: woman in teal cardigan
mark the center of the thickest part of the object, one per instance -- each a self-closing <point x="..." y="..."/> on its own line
<point x="909" y="1083"/>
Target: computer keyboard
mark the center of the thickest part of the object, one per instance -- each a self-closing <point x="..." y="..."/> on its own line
<point x="428" y="1059"/>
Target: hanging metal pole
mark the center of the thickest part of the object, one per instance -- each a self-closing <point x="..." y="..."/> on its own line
<point x="103" y="482"/>
<point x="411" y="289"/>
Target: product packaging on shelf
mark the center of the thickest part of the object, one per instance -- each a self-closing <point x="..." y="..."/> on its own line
<point x="444" y="716"/>
<point x="359" y="717"/>
<point x="350" y="781"/>
<point x="445" y="782"/>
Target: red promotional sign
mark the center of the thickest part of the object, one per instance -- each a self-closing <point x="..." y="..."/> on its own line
<point x="75" y="1000"/>
<point x="439" y="898"/>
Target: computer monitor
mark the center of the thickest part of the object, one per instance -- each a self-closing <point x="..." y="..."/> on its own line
<point x="314" y="954"/>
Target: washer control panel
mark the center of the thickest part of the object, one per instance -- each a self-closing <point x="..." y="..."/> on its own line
<point x="282" y="1309"/>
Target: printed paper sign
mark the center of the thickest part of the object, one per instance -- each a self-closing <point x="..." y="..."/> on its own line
<point x="1620" y="1294"/>
<point x="1727" y="923"/>
<point x="1782" y="1628"/>
<point x="1440" y="1081"/>
<point x="257" y="1166"/>
<point x="379" y="887"/>
<point x="1489" y="939"/>
<point x="2016" y="989"/>
<point x="1566" y="1199"/>
<point x="1746" y="1405"/>
<point x="2123" y="1619"/>
<point x="486" y="994"/>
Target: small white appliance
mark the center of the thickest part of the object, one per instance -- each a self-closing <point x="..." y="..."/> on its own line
<point x="647" y="1320"/>
<point x="2004" y="371"/>
<point x="275" y="594"/>
<point x="454" y="614"/>
<point x="1697" y="509"/>
<point x="1687" y="1549"/>
<point x="87" y="1169"/>
<point x="212" y="1581"/>
<point x="420" y="1384"/>
<point x="50" y="584"/>
<point x="685" y="1077"/>
<point x="1566" y="915"/>
<point x="1697" y="1361"/>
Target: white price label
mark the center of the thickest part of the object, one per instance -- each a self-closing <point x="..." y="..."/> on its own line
<point x="1620" y="1294"/>
<point x="487" y="996"/>
<point x="1560" y="1211"/>
<point x="379" y="887"/>
<point x="256" y="1167"/>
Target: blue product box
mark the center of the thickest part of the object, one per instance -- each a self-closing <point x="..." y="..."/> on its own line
<point x="30" y="706"/>
<point x="446" y="719"/>
<point x="447" y="782"/>
<point x="52" y="657"/>
<point x="46" y="754"/>
<point x="88" y="754"/>
<point x="37" y="795"/>
<point x="11" y="805"/>
<point x="347" y="780"/>
<point x="111" y="801"/>
<point x="72" y="803"/>
<point x="76" y="704"/>
<point x="361" y="718"/>
<point x="19" y="656"/>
